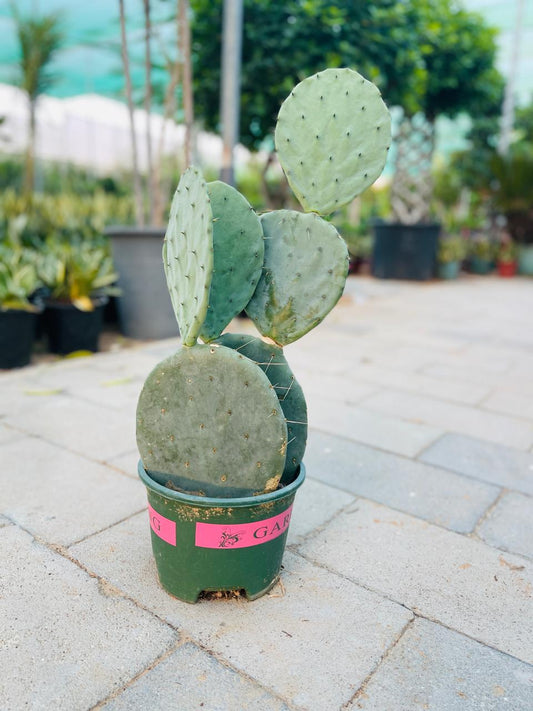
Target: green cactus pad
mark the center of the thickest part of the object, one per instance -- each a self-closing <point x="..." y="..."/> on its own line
<point x="271" y="360"/>
<point x="209" y="422"/>
<point x="188" y="253"/>
<point x="332" y="137"/>
<point x="238" y="257"/>
<point x="304" y="273"/>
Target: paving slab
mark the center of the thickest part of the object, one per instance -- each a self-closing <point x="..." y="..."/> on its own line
<point x="126" y="463"/>
<point x="502" y="429"/>
<point x="457" y="581"/>
<point x="503" y="466"/>
<point x="375" y="429"/>
<point x="67" y="642"/>
<point x="434" y="494"/>
<point x="8" y="434"/>
<point x="314" y="505"/>
<point x="191" y="678"/>
<point x="509" y="525"/>
<point x="455" y="391"/>
<point x="90" y="429"/>
<point x="436" y="669"/>
<point x="60" y="496"/>
<point x="312" y="642"/>
<point x="510" y="402"/>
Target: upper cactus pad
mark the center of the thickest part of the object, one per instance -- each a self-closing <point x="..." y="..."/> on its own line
<point x="304" y="273"/>
<point x="332" y="137"/>
<point x="209" y="422"/>
<point x="238" y="257"/>
<point x="188" y="253"/>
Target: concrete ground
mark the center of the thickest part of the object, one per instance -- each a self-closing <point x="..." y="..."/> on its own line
<point x="408" y="574"/>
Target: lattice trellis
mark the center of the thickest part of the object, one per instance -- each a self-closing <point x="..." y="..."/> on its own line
<point x="412" y="187"/>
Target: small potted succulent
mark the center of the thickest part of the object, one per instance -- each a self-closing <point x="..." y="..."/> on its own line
<point x="507" y="257"/>
<point x="222" y="425"/>
<point x="79" y="277"/>
<point x="19" y="283"/>
<point x="451" y="252"/>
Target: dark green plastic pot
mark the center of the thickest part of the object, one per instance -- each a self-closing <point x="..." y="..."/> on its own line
<point x="206" y="544"/>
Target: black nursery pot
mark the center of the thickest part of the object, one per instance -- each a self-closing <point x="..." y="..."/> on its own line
<point x="69" y="329"/>
<point x="405" y="251"/>
<point x="17" y="332"/>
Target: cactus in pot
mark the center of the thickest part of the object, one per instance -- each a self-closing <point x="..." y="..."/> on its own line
<point x="211" y="418"/>
<point x="222" y="425"/>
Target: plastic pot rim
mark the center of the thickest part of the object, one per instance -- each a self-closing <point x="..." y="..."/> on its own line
<point x="210" y="501"/>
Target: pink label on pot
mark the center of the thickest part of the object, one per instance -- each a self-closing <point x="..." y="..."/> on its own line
<point x="242" y="535"/>
<point x="162" y="527"/>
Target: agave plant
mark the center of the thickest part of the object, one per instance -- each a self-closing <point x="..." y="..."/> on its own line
<point x="78" y="272"/>
<point x="19" y="279"/>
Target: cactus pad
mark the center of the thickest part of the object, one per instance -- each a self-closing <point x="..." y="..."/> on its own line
<point x="271" y="360"/>
<point x="188" y="254"/>
<point x="238" y="257"/>
<point x="332" y="137"/>
<point x="304" y="273"/>
<point x="209" y="422"/>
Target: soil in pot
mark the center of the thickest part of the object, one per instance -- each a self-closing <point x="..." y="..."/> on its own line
<point x="17" y="332"/>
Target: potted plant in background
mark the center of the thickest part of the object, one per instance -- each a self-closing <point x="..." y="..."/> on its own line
<point x="506" y="257"/>
<point x="19" y="284"/>
<point x="456" y="73"/>
<point x="481" y="253"/>
<point x="222" y="426"/>
<point x="79" y="277"/>
<point x="513" y="196"/>
<point x="451" y="252"/>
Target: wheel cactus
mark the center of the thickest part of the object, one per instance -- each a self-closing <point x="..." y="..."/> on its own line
<point x="227" y="418"/>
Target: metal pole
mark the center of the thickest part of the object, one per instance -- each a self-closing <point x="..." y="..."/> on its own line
<point x="231" y="85"/>
<point x="509" y="99"/>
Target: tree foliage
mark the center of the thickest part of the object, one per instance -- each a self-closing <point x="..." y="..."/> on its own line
<point x="286" y="40"/>
<point x="428" y="56"/>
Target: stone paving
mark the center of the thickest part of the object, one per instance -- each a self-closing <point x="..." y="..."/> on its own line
<point x="408" y="575"/>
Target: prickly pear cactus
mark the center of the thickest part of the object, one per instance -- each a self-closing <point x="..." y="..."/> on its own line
<point x="272" y="361"/>
<point x="188" y="254"/>
<point x="304" y="273"/>
<point x="238" y="257"/>
<point x="209" y="422"/>
<point x="332" y="137"/>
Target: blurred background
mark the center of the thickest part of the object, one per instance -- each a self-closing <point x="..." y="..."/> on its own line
<point x="103" y="105"/>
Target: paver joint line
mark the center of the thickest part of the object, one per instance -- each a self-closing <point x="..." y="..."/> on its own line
<point x="395" y="642"/>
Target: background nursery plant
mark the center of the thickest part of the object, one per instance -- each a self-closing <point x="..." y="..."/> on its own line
<point x="222" y="425"/>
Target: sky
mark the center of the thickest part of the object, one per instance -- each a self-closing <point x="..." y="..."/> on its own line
<point x="91" y="63"/>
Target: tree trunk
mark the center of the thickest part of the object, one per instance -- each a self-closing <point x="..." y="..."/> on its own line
<point x="169" y="108"/>
<point x="148" y="109"/>
<point x="29" y="178"/>
<point x="184" y="42"/>
<point x="137" y="188"/>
